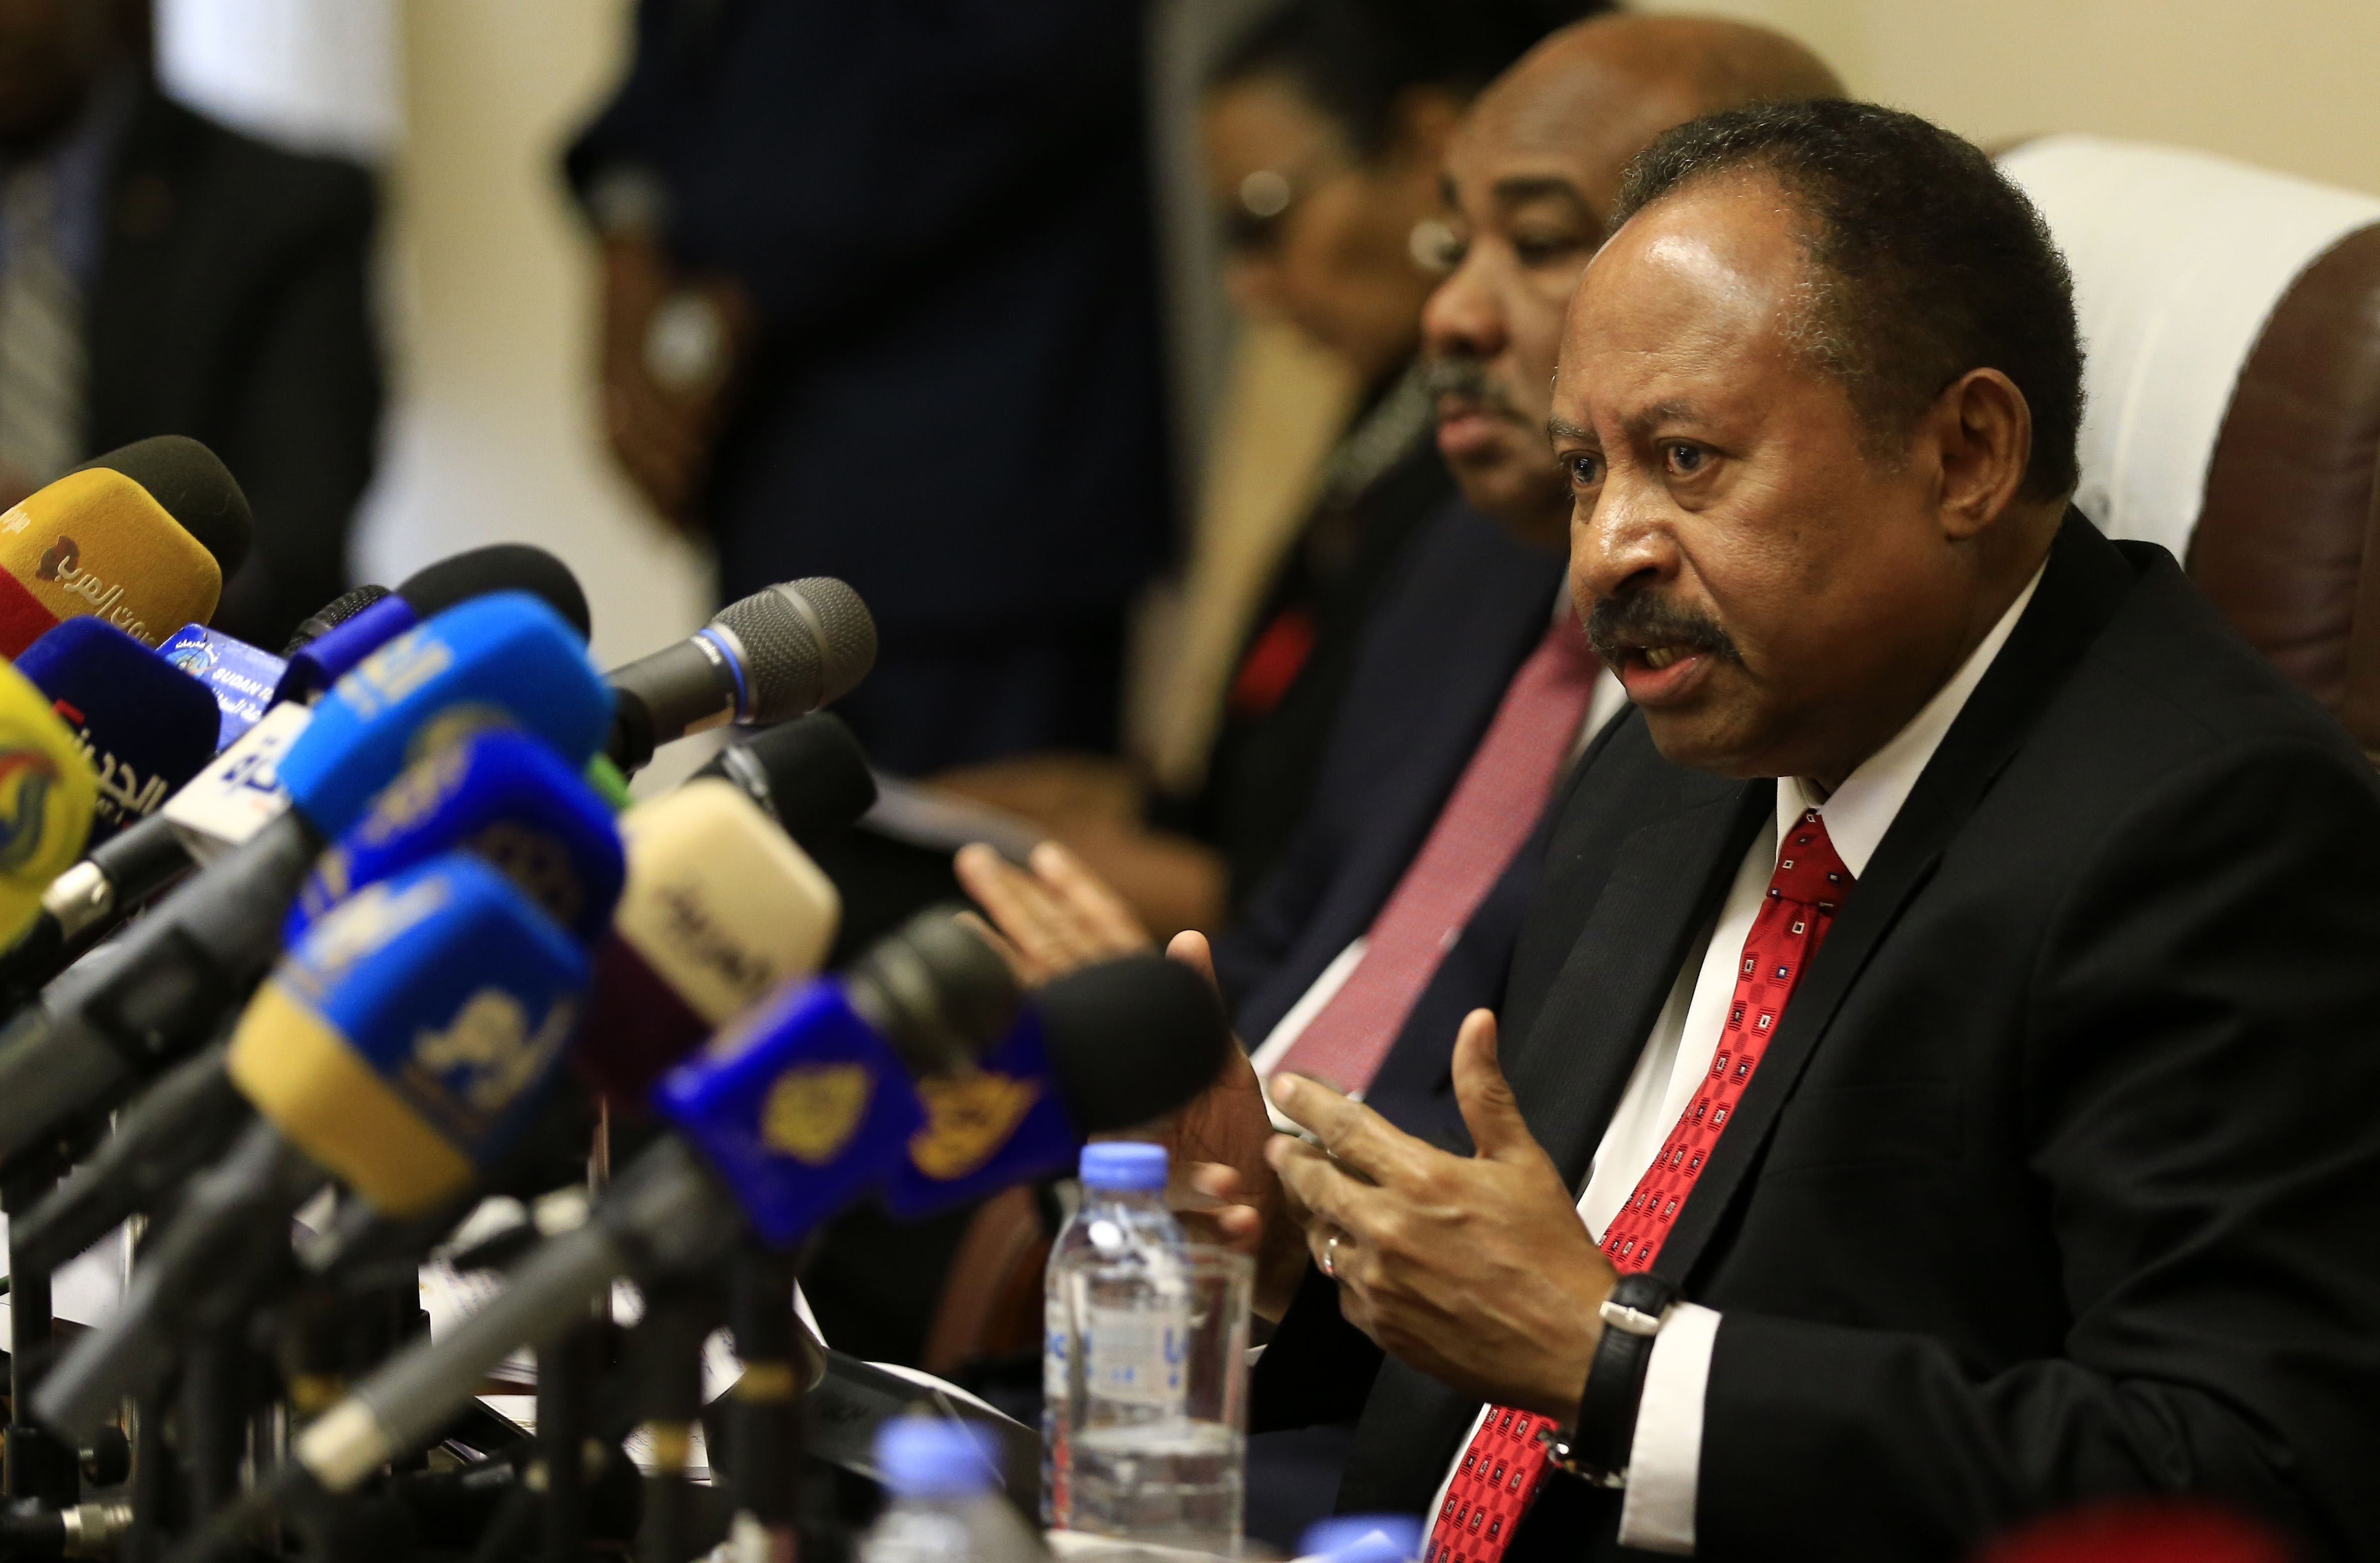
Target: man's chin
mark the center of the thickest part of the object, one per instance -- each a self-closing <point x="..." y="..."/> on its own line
<point x="1514" y="493"/>
<point x="1701" y="736"/>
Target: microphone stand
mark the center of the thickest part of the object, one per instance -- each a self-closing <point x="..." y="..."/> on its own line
<point x="217" y="1372"/>
<point x="680" y="1312"/>
<point x="564" y="1375"/>
<point x="39" y="1466"/>
<point x="765" y="1451"/>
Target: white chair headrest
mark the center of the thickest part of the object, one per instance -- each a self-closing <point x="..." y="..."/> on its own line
<point x="2179" y="258"/>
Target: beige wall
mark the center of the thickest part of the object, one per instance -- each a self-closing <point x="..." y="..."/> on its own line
<point x="494" y="435"/>
<point x="2285" y="84"/>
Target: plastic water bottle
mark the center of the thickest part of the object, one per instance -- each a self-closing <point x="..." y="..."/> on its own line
<point x="946" y="1504"/>
<point x="1123" y="1455"/>
<point x="1363" y="1538"/>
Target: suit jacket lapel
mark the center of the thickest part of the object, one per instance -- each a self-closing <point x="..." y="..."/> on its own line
<point x="2079" y="591"/>
<point x="1665" y="883"/>
<point x="1632" y="926"/>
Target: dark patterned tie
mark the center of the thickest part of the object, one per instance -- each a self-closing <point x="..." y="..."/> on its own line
<point x="1506" y="1461"/>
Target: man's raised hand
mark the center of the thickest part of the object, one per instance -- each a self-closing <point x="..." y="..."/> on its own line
<point x="1051" y="920"/>
<point x="1476" y="1270"/>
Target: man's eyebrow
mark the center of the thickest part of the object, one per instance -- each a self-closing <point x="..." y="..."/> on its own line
<point x="1521" y="189"/>
<point x="1558" y="430"/>
<point x="1644" y="420"/>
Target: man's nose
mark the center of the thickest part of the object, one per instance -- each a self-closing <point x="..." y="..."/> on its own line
<point x="1620" y="539"/>
<point x="1463" y="317"/>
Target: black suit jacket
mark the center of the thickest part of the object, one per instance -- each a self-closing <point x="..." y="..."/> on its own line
<point x="1467" y="607"/>
<point x="2061" y="1174"/>
<point x="232" y="305"/>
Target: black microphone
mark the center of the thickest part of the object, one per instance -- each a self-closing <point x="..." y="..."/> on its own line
<point x="809" y="773"/>
<point x="784" y="651"/>
<point x="330" y="616"/>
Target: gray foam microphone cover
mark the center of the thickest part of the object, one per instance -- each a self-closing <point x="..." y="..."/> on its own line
<point x="804" y="641"/>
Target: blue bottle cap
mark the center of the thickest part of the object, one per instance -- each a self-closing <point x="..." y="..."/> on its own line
<point x="1363" y="1538"/>
<point x="925" y="1457"/>
<point x="1124" y="1164"/>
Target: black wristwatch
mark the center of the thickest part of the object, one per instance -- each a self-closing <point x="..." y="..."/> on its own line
<point x="1594" y="1450"/>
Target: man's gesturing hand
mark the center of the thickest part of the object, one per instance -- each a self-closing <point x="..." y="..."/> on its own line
<point x="1476" y="1271"/>
<point x="1054" y="920"/>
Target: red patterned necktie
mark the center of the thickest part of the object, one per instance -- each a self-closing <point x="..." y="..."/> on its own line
<point x="1493" y="807"/>
<point x="1506" y="1461"/>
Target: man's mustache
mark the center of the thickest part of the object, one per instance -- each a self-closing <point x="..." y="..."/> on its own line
<point x="1457" y="375"/>
<point x="1616" y="625"/>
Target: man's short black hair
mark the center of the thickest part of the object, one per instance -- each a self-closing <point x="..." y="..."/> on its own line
<point x="1352" y="59"/>
<point x="1928" y="262"/>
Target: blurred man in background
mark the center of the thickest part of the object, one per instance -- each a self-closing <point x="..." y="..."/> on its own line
<point x="880" y="303"/>
<point x="1325" y="127"/>
<point x="1529" y="173"/>
<point x="159" y="273"/>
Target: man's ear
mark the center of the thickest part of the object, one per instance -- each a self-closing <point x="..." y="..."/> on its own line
<point x="1984" y="433"/>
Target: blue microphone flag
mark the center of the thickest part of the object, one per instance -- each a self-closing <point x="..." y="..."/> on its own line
<point x="506" y="659"/>
<point x="145" y="728"/>
<point x="407" y="1040"/>
<point x="798" y="1108"/>
<point x="501" y="795"/>
<point x="986" y="1129"/>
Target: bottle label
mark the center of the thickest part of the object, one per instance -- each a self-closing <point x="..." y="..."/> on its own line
<point x="1134" y="1355"/>
<point x="1056" y="1455"/>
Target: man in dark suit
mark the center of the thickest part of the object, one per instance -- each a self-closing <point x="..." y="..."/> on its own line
<point x="159" y="273"/>
<point x="882" y="304"/>
<point x="1945" y="1024"/>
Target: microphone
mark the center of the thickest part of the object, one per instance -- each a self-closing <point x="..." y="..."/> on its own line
<point x="809" y="1076"/>
<point x="47" y="794"/>
<point x="1024" y="1112"/>
<point x="123" y="873"/>
<point x="144" y="728"/>
<point x="720" y="910"/>
<point x="98" y="541"/>
<point x="195" y="488"/>
<point x="784" y="650"/>
<point x="330" y="616"/>
<point x="811" y="773"/>
<point x="400" y="1047"/>
<point x="927" y="991"/>
<point x="247" y="680"/>
<point x="201" y="949"/>
<point x="430" y="591"/>
<point x="499" y="795"/>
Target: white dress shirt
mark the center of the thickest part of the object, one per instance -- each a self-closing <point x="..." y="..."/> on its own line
<point x="1664" y="1465"/>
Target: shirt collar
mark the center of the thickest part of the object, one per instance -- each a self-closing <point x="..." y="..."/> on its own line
<point x="1862" y="810"/>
